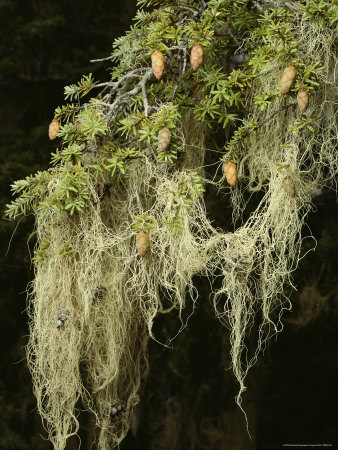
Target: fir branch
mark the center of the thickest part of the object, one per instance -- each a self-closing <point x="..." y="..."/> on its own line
<point x="204" y="5"/>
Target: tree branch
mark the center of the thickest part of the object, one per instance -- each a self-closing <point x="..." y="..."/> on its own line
<point x="101" y="59"/>
<point x="231" y="34"/>
<point x="152" y="152"/>
<point x="131" y="74"/>
<point x="184" y="66"/>
<point x="277" y="4"/>
<point x="126" y="96"/>
<point x="144" y="93"/>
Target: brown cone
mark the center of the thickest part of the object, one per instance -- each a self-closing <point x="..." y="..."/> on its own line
<point x="164" y="138"/>
<point x="287" y="79"/>
<point x="142" y="243"/>
<point x="289" y="186"/>
<point x="53" y="129"/>
<point x="303" y="99"/>
<point x="157" y="61"/>
<point x="196" y="56"/>
<point x="230" y="172"/>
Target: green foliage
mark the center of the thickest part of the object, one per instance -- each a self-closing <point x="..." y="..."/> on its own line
<point x="305" y="122"/>
<point x="68" y="133"/>
<point x="87" y="123"/>
<point x="67" y="190"/>
<point x="216" y="96"/>
<point x="321" y="10"/>
<point x="82" y="88"/>
<point x="72" y="153"/>
<point x="143" y="222"/>
<point x="31" y="190"/>
<point x="119" y="158"/>
<point x="42" y="253"/>
<point x="66" y="112"/>
<point x="236" y="146"/>
<point x="265" y="99"/>
<point x="308" y="74"/>
<point x="91" y="122"/>
<point x="147" y="3"/>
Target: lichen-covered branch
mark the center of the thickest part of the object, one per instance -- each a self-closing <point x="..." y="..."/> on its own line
<point x="121" y="222"/>
<point x="123" y="98"/>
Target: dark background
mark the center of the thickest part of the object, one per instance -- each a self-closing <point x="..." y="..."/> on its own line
<point x="188" y="401"/>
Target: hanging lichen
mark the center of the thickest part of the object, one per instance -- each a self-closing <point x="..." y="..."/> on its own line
<point x="121" y="223"/>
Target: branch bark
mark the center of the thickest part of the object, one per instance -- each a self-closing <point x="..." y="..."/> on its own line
<point x="277" y="4"/>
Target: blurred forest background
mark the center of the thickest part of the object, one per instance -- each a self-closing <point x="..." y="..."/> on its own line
<point x="188" y="401"/>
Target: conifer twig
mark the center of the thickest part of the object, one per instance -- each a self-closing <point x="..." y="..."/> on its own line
<point x="101" y="59"/>
<point x="181" y="74"/>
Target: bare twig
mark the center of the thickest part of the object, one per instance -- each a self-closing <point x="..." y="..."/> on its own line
<point x="265" y="72"/>
<point x="178" y="47"/>
<point x="185" y="54"/>
<point x="231" y="34"/>
<point x="278" y="4"/>
<point x="144" y="93"/>
<point x="203" y="3"/>
<point x="191" y="8"/>
<point x="152" y="152"/>
<point x="195" y="11"/>
<point x="154" y="108"/>
<point x="131" y="74"/>
<point x="101" y="59"/>
<point x="127" y="95"/>
<point x="169" y="12"/>
<point x="259" y="7"/>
